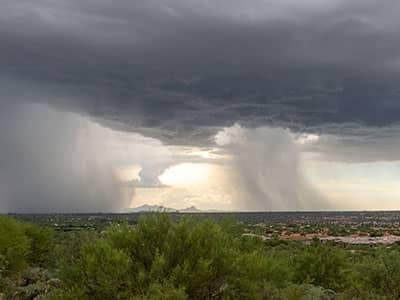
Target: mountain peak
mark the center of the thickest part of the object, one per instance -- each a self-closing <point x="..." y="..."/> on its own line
<point x="190" y="209"/>
<point x="160" y="208"/>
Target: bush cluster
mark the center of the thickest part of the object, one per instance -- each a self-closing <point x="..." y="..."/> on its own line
<point x="159" y="258"/>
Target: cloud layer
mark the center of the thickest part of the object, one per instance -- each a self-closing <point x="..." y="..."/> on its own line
<point x="180" y="70"/>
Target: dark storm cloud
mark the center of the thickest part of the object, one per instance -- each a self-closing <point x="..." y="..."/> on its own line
<point x="179" y="70"/>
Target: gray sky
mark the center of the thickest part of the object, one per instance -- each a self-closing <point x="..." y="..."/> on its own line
<point x="182" y="71"/>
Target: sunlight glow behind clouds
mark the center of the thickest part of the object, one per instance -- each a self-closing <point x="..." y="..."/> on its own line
<point x="185" y="174"/>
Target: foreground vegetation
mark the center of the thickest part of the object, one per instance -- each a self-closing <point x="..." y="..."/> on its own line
<point x="159" y="258"/>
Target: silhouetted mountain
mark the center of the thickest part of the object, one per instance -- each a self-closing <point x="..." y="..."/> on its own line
<point x="159" y="208"/>
<point x="190" y="209"/>
<point x="151" y="208"/>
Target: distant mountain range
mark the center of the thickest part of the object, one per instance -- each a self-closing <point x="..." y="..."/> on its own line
<point x="159" y="208"/>
<point x="190" y="209"/>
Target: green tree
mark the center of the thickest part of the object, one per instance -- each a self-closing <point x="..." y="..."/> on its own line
<point x="99" y="272"/>
<point x="15" y="245"/>
<point x="322" y="265"/>
<point x="382" y="273"/>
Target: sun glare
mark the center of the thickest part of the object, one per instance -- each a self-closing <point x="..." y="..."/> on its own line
<point x="185" y="174"/>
